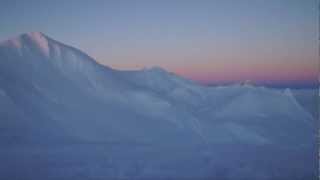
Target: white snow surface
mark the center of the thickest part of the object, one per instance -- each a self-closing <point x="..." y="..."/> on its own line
<point x="51" y="93"/>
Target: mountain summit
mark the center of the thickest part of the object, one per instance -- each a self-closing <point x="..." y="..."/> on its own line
<point x="36" y="40"/>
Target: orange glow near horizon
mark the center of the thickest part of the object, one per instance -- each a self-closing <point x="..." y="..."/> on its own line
<point x="253" y="73"/>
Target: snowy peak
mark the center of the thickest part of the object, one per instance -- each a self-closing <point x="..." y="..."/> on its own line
<point x="36" y="38"/>
<point x="247" y="83"/>
<point x="159" y="72"/>
<point x="34" y="41"/>
<point x="36" y="45"/>
<point x="158" y="75"/>
<point x="37" y="52"/>
<point x="156" y="69"/>
<point x="39" y="40"/>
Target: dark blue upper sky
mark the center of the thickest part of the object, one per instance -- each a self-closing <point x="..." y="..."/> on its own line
<point x="214" y="40"/>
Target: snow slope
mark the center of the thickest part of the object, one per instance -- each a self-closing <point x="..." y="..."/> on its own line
<point x="51" y="93"/>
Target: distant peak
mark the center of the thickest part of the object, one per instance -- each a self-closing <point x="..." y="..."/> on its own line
<point x="156" y="69"/>
<point x="247" y="83"/>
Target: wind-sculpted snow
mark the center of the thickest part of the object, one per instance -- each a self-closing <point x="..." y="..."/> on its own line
<point x="62" y="115"/>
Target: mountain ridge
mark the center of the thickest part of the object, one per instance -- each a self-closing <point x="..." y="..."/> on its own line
<point x="164" y="94"/>
<point x="56" y="96"/>
<point x="43" y="42"/>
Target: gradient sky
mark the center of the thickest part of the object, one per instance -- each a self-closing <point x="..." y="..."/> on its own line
<point x="267" y="41"/>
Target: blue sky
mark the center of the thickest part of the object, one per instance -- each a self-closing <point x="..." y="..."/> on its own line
<point x="210" y="41"/>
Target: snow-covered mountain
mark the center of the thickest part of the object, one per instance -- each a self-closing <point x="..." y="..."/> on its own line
<point x="51" y="93"/>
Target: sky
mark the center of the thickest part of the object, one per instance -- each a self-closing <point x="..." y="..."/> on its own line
<point x="216" y="41"/>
